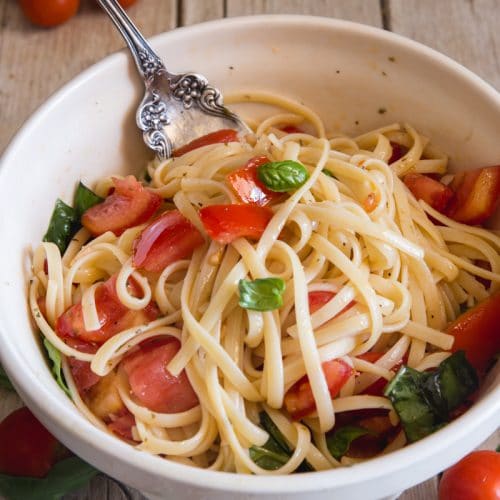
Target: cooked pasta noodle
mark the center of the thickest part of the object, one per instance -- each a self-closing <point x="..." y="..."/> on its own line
<point x="352" y="230"/>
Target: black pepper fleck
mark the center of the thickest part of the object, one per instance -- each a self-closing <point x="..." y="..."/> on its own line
<point x="381" y="111"/>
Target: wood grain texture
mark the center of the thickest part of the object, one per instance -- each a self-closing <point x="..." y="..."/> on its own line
<point x="466" y="30"/>
<point x="198" y="11"/>
<point x="362" y="11"/>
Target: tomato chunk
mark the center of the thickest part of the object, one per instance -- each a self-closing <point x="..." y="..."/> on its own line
<point x="225" y="223"/>
<point x="247" y="185"/>
<point x="83" y="376"/>
<point x="299" y="399"/>
<point x="169" y="238"/>
<point x="152" y="384"/>
<point x="477" y="332"/>
<point x="377" y="388"/>
<point x="292" y="129"/>
<point x="221" y="136"/>
<point x="130" y="204"/>
<point x="477" y="195"/>
<point x="319" y="298"/>
<point x="27" y="447"/>
<point x="122" y="424"/>
<point x="433" y="192"/>
<point x="113" y="316"/>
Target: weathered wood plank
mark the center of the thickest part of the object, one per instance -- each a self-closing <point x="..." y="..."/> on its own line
<point x="466" y="30"/>
<point x="198" y="11"/>
<point x="35" y="62"/>
<point x="363" y="11"/>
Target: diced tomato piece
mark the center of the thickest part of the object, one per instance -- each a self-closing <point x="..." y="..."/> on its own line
<point x="121" y="425"/>
<point x="292" y="129"/>
<point x="477" y="195"/>
<point x="248" y="187"/>
<point x="83" y="376"/>
<point x="299" y="399"/>
<point x="225" y="223"/>
<point x="113" y="316"/>
<point x="477" y="332"/>
<point x="377" y="388"/>
<point x="398" y="151"/>
<point x="27" y="447"/>
<point x="152" y="384"/>
<point x="371" y="202"/>
<point x="129" y="205"/>
<point x="433" y="192"/>
<point x="319" y="298"/>
<point x="168" y="238"/>
<point x="221" y="136"/>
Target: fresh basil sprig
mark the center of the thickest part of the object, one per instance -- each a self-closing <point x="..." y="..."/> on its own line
<point x="66" y="476"/>
<point x="4" y="381"/>
<point x="65" y="220"/>
<point x="424" y="400"/>
<point x="339" y="441"/>
<point x="282" y="176"/>
<point x="275" y="452"/>
<point x="55" y="358"/>
<point x="264" y="294"/>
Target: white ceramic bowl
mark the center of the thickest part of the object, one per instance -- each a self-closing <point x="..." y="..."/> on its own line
<point x="347" y="72"/>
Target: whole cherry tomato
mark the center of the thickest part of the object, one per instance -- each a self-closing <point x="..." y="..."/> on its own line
<point x="48" y="13"/>
<point x="475" y="477"/>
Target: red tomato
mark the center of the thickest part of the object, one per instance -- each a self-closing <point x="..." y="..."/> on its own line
<point x="49" y="13"/>
<point x="221" y="136"/>
<point x="477" y="195"/>
<point x="319" y="298"/>
<point x="121" y="425"/>
<point x="126" y="3"/>
<point x="113" y="316"/>
<point x="248" y="187"/>
<point x="475" y="477"/>
<point x="83" y="376"/>
<point x="477" y="332"/>
<point x="377" y="388"/>
<point x="150" y="382"/>
<point x="168" y="238"/>
<point x="299" y="399"/>
<point x="433" y="192"/>
<point x="292" y="129"/>
<point x="225" y="223"/>
<point x="27" y="447"/>
<point x="129" y="205"/>
<point x="398" y="151"/>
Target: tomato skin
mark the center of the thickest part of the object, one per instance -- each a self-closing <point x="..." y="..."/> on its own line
<point x="247" y="186"/>
<point x="27" y="447"/>
<point x="49" y="13"/>
<point x="113" y="316"/>
<point x="477" y="195"/>
<point x="150" y="382"/>
<point x="475" y="477"/>
<point x="83" y="376"/>
<point x="433" y="192"/>
<point x="220" y="136"/>
<point x="225" y="223"/>
<point x="129" y="205"/>
<point x="299" y="399"/>
<point x="168" y="238"/>
<point x="477" y="332"/>
<point x="318" y="299"/>
<point x="122" y="424"/>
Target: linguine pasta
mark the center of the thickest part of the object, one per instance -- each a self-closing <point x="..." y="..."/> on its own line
<point x="398" y="272"/>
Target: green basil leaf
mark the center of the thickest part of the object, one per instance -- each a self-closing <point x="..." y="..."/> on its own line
<point x="424" y="400"/>
<point x="55" y="358"/>
<point x="85" y="199"/>
<point x="264" y="294"/>
<point x="282" y="176"/>
<point x="4" y="381"/>
<point x="268" y="459"/>
<point x="339" y="441"/>
<point x="328" y="173"/>
<point x="62" y="225"/>
<point x="66" y="476"/>
<point x="275" y="434"/>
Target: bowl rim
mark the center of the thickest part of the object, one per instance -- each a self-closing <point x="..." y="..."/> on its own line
<point x="42" y="398"/>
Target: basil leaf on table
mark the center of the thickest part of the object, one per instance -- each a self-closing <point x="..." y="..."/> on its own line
<point x="85" y="199"/>
<point x="4" y="381"/>
<point x="282" y="176"/>
<point x="55" y="358"/>
<point x="62" y="225"/>
<point x="339" y="441"/>
<point x="66" y="476"/>
<point x="264" y="294"/>
<point x="424" y="400"/>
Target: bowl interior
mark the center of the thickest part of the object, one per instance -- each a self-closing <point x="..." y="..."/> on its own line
<point x="356" y="77"/>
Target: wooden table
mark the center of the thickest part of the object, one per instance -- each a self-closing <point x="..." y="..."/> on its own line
<point x="36" y="62"/>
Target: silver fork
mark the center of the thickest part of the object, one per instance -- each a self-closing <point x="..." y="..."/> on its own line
<point x="176" y="108"/>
